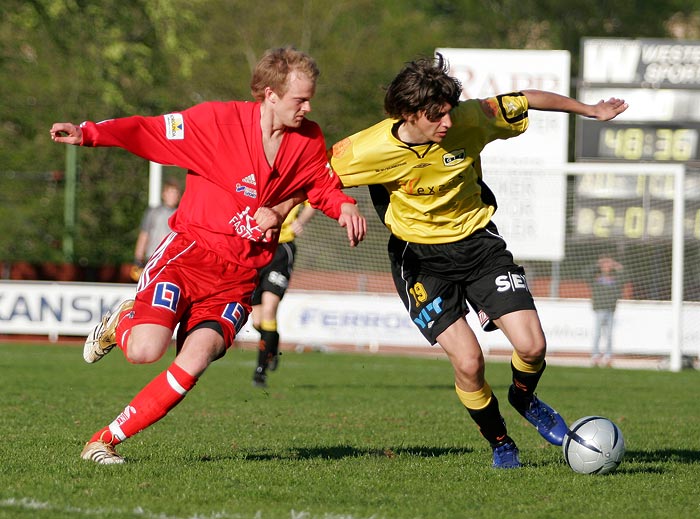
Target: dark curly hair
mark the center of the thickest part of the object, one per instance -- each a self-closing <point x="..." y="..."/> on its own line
<point x="423" y="85"/>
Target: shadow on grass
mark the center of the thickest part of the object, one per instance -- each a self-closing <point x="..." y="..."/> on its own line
<point x="664" y="456"/>
<point x="363" y="387"/>
<point x="345" y="451"/>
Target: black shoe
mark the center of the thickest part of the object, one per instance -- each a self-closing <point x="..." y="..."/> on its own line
<point x="259" y="378"/>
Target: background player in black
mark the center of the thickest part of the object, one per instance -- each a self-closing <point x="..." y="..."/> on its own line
<point x="273" y="284"/>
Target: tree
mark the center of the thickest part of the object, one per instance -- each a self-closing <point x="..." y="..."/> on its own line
<point x="94" y="59"/>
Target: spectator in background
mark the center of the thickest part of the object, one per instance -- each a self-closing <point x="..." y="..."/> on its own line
<point x="154" y="225"/>
<point x="274" y="280"/>
<point x="606" y="289"/>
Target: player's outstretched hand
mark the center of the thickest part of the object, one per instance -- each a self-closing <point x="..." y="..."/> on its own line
<point x="606" y="110"/>
<point x="66" y="133"/>
<point x="354" y="223"/>
<point x="269" y="222"/>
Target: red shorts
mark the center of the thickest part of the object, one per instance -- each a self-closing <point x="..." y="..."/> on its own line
<point x="183" y="283"/>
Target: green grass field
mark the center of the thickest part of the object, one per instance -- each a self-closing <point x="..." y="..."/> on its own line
<point x="336" y="436"/>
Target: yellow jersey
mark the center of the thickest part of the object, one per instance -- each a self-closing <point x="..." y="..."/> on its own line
<point x="435" y="192"/>
<point x="286" y="231"/>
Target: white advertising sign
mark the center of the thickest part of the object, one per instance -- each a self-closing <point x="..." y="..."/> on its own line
<point x="641" y="62"/>
<point x="53" y="308"/>
<point x="363" y="320"/>
<point x="513" y="162"/>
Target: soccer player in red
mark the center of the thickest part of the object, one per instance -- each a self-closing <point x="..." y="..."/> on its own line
<point x="423" y="167"/>
<point x="248" y="163"/>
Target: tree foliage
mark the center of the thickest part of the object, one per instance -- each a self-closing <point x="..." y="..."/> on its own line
<point x="71" y="60"/>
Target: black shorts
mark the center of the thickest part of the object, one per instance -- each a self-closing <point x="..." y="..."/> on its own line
<point x="436" y="281"/>
<point x="275" y="276"/>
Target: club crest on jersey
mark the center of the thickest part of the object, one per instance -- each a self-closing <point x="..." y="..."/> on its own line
<point x="247" y="191"/>
<point x="454" y="157"/>
<point x="174" y="127"/>
<point x="166" y="295"/>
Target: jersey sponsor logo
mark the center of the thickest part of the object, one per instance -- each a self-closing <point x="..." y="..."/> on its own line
<point x="166" y="295"/>
<point x="236" y="314"/>
<point x="400" y="164"/>
<point x="426" y="318"/>
<point x="174" y="127"/>
<point x="421" y="166"/>
<point x="454" y="157"/>
<point x="511" y="282"/>
<point x="246" y="227"/>
<point x="247" y="191"/>
<point x="410" y="187"/>
<point x="250" y="179"/>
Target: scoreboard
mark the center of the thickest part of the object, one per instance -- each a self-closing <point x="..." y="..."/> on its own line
<point x="634" y="141"/>
<point x="660" y="79"/>
<point x="632" y="207"/>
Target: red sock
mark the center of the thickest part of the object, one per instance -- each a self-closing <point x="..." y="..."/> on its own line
<point x="150" y="405"/>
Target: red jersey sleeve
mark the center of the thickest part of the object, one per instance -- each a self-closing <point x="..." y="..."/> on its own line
<point x="160" y="139"/>
<point x="324" y="190"/>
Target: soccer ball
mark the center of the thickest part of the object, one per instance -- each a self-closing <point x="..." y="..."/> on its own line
<point x="593" y="445"/>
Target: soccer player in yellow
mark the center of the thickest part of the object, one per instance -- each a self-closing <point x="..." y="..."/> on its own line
<point x="423" y="168"/>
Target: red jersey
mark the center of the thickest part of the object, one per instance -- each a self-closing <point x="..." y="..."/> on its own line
<point x="229" y="177"/>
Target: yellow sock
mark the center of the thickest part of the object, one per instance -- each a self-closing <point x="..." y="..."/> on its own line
<point x="269" y="326"/>
<point x="520" y="365"/>
<point x="475" y="399"/>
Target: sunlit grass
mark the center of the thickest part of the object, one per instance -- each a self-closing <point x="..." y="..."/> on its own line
<point x="334" y="436"/>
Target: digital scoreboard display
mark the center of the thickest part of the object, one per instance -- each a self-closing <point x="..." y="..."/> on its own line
<point x="632" y="207"/>
<point x="657" y="141"/>
<point x="660" y="79"/>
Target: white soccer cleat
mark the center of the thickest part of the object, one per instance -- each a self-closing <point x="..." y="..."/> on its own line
<point x="103" y="337"/>
<point x="102" y="453"/>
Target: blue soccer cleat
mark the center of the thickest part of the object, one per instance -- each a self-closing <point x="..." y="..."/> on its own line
<point x="505" y="456"/>
<point x="549" y="424"/>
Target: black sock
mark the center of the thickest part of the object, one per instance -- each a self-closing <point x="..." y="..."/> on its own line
<point x="524" y="385"/>
<point x="269" y="345"/>
<point x="491" y="424"/>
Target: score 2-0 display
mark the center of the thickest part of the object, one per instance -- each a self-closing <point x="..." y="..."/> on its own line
<point x="630" y="207"/>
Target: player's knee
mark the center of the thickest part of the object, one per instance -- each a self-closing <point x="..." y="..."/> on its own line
<point x="143" y="353"/>
<point x="532" y="350"/>
<point x="469" y="367"/>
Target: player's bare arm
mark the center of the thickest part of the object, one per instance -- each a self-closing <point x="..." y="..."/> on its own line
<point x="66" y="133"/>
<point x="549" y="101"/>
<point x="354" y="222"/>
